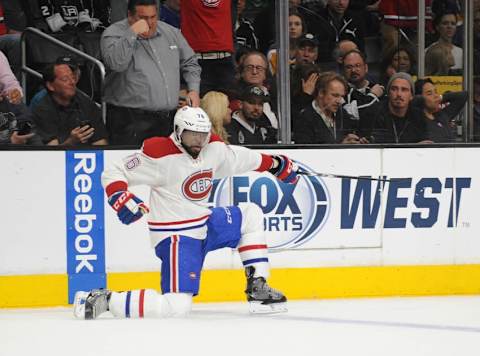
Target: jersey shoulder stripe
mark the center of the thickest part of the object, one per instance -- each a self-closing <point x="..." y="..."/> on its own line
<point x="158" y="147"/>
<point x="215" y="138"/>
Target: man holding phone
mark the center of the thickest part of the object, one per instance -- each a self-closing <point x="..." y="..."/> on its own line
<point x="66" y="116"/>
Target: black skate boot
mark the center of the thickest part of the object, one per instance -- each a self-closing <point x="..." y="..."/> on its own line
<point x="261" y="297"/>
<point x="89" y="305"/>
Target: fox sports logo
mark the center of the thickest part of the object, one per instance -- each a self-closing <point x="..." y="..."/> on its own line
<point x="293" y="214"/>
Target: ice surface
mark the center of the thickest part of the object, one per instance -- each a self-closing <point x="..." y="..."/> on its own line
<point x="437" y="326"/>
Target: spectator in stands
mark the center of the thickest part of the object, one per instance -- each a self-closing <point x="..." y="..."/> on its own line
<point x="303" y="80"/>
<point x="307" y="49"/>
<point x="216" y="105"/>
<point x="439" y="60"/>
<point x="296" y="29"/>
<point x="209" y="31"/>
<point x="399" y="60"/>
<point x="264" y="25"/>
<point x="399" y="25"/>
<point x="476" y="109"/>
<point x="324" y="121"/>
<point x="10" y="88"/>
<point x="362" y="101"/>
<point x="398" y="121"/>
<point x="446" y="27"/>
<point x="249" y="125"/>
<point x="12" y="22"/>
<point x="170" y="12"/>
<point x="245" y="37"/>
<point x="476" y="41"/>
<point x="341" y="48"/>
<point x="343" y="25"/>
<point x="70" y="61"/>
<point x="16" y="125"/>
<point x="440" y="110"/>
<point x="145" y="57"/>
<point x="66" y="116"/>
<point x="253" y="69"/>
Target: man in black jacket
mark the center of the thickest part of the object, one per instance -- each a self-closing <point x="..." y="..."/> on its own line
<point x="324" y="121"/>
<point x="363" y="97"/>
<point x="398" y="121"/>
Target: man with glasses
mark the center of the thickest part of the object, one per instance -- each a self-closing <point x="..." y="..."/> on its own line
<point x="363" y="97"/>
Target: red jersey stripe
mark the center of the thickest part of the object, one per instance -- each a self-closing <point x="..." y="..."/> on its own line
<point x="251" y="247"/>
<point x="177" y="222"/>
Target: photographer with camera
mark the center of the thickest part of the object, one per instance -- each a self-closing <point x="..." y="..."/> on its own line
<point x="66" y="116"/>
<point x="16" y="125"/>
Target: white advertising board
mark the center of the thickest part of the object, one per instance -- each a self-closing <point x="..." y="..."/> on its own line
<point x="427" y="217"/>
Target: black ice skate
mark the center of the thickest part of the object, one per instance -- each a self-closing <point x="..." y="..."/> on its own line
<point x="89" y="305"/>
<point x="261" y="297"/>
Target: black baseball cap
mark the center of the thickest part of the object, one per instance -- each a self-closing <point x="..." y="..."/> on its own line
<point x="255" y="92"/>
<point x="68" y="60"/>
<point x="308" y="39"/>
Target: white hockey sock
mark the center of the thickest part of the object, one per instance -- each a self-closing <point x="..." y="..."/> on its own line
<point x="254" y="252"/>
<point x="148" y="303"/>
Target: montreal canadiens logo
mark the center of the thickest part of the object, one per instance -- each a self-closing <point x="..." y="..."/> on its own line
<point x="293" y="214"/>
<point x="198" y="185"/>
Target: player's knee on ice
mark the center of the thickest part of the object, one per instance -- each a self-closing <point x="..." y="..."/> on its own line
<point x="149" y="303"/>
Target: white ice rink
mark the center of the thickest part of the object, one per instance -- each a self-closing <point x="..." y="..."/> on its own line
<point x="436" y="326"/>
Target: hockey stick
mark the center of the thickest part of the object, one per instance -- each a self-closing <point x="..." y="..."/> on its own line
<point x="329" y="175"/>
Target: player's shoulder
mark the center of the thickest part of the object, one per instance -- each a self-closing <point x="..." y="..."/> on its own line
<point x="215" y="138"/>
<point x="158" y="147"/>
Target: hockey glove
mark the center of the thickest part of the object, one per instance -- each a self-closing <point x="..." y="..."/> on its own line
<point x="129" y="208"/>
<point x="284" y="169"/>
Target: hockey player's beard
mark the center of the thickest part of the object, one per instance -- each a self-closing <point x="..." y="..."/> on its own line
<point x="193" y="151"/>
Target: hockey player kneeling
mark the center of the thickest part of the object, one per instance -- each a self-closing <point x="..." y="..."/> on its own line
<point x="180" y="170"/>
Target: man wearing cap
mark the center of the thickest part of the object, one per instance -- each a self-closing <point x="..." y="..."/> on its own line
<point x="60" y="60"/>
<point x="249" y="124"/>
<point x="397" y="120"/>
<point x="307" y="50"/>
<point x="66" y="116"/>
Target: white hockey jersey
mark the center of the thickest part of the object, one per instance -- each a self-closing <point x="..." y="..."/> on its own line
<point x="180" y="185"/>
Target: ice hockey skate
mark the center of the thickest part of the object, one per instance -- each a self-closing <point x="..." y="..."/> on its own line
<point x="89" y="305"/>
<point x="263" y="299"/>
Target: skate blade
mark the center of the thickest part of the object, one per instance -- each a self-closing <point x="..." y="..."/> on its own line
<point x="273" y="308"/>
<point x="79" y="304"/>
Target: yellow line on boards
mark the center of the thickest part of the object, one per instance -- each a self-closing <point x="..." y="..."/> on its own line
<point x="296" y="283"/>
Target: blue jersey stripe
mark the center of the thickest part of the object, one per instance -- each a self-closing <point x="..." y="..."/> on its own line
<point x="255" y="260"/>
<point x="180" y="229"/>
<point x="127" y="305"/>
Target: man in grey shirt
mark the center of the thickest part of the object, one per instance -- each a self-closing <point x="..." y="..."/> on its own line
<point x="145" y="58"/>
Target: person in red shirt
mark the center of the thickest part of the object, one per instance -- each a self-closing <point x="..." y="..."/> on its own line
<point x="207" y="26"/>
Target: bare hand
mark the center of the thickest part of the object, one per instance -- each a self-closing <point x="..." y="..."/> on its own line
<point x="81" y="134"/>
<point x="14" y="96"/>
<point x="17" y="139"/>
<point x="193" y="99"/>
<point x="354" y="139"/>
<point x="378" y="90"/>
<point x="140" y="27"/>
<point x="308" y="86"/>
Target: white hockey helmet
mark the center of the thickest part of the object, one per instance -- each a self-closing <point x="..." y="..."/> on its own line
<point x="192" y="119"/>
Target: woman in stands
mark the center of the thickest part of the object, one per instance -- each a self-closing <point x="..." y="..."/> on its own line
<point x="296" y="28"/>
<point x="400" y="59"/>
<point x="216" y="105"/>
<point x="440" y="111"/>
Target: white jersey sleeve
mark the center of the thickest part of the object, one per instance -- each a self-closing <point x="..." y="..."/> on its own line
<point x="136" y="169"/>
<point x="239" y="160"/>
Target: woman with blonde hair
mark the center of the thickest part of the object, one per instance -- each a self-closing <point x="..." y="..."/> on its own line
<point x="216" y="105"/>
